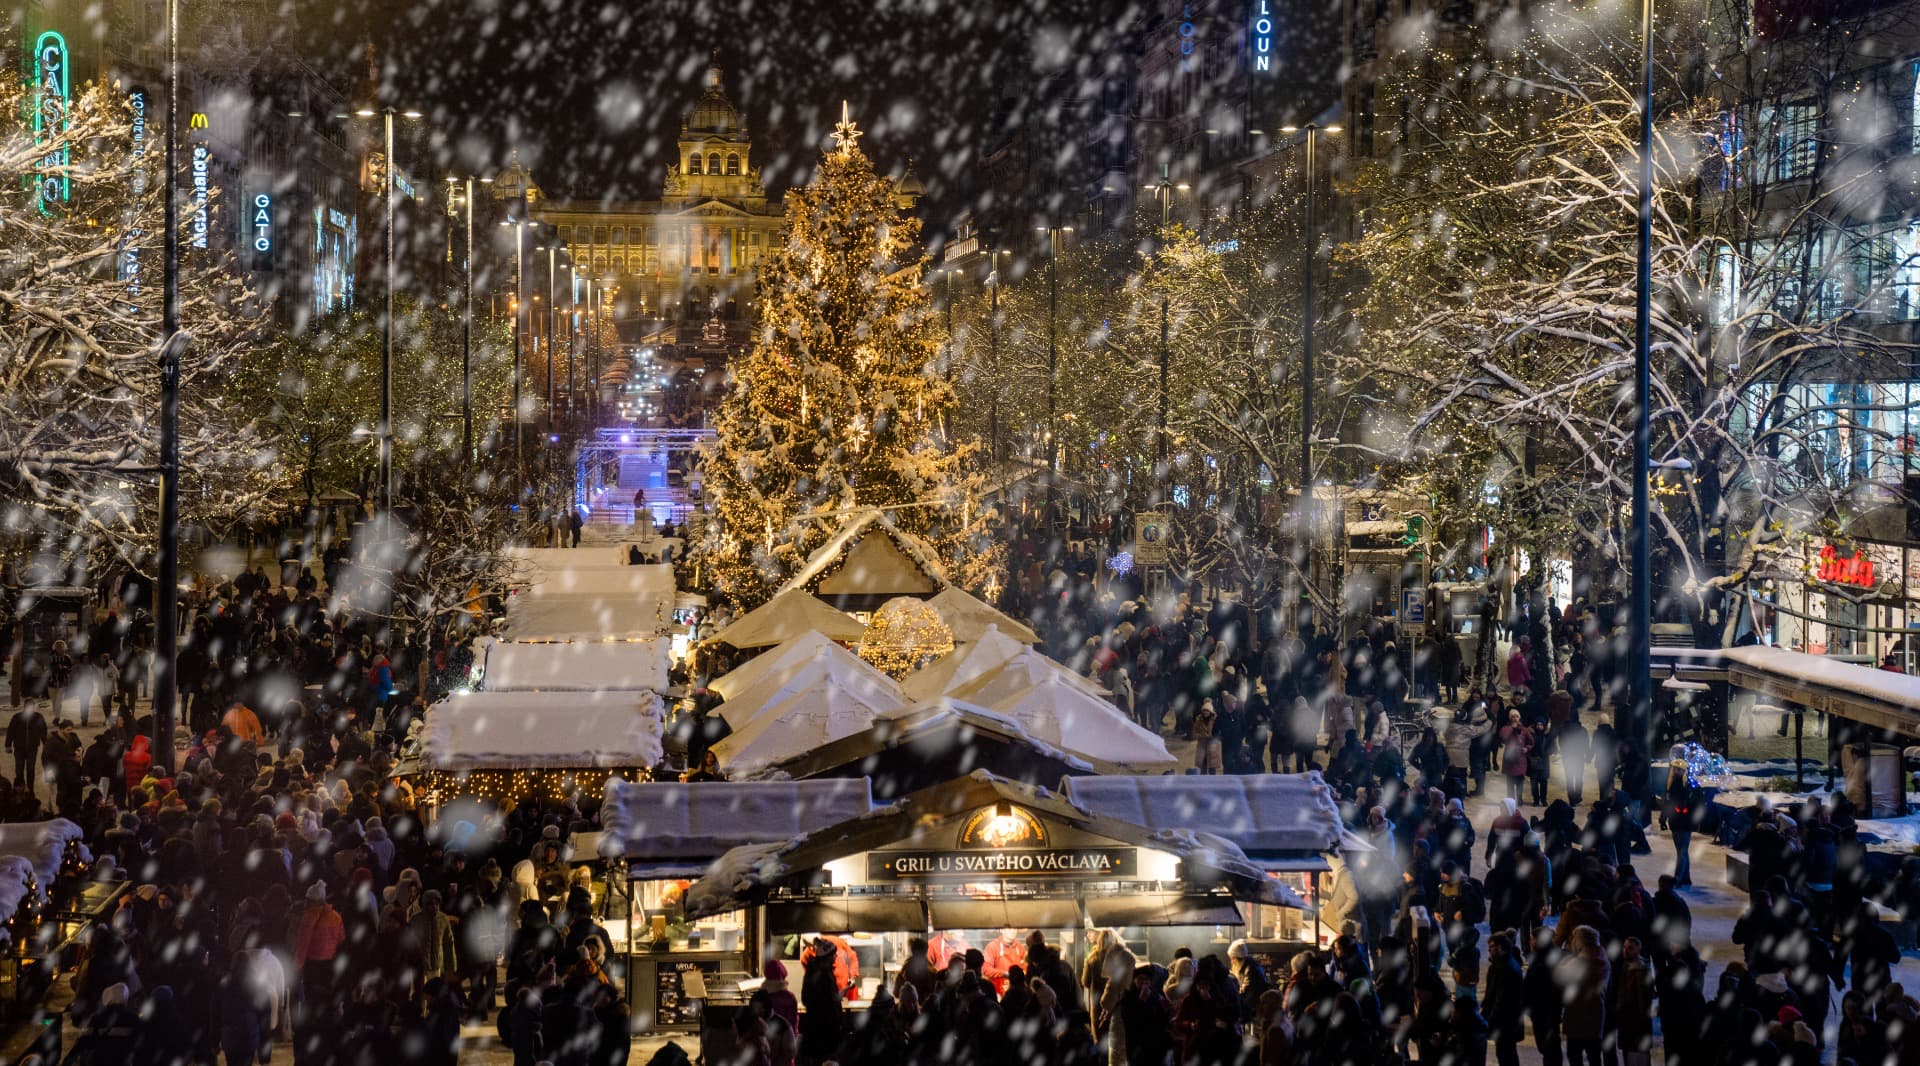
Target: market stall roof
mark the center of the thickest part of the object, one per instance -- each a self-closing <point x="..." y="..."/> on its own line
<point x="743" y="876"/>
<point x="805" y="717"/>
<point x="971" y="617"/>
<point x="1066" y="715"/>
<point x="536" y="730"/>
<point x="1860" y="693"/>
<point x="566" y="568"/>
<point x="1266" y="815"/>
<point x="758" y="700"/>
<point x="1020" y="671"/>
<point x="593" y="603"/>
<point x="790" y="614"/>
<point x="921" y="745"/>
<point x="869" y="555"/>
<point x="577" y="666"/>
<point x="43" y="844"/>
<point x="16" y="873"/>
<point x="786" y="660"/>
<point x="964" y="663"/>
<point x="650" y="824"/>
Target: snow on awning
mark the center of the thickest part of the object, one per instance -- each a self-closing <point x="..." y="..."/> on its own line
<point x="672" y="823"/>
<point x="1265" y="815"/>
<point x="788" y="615"/>
<point x="970" y="617"/>
<point x="536" y="730"/>
<point x="15" y="874"/>
<point x="782" y="662"/>
<point x="1860" y="693"/>
<point x="593" y="602"/>
<point x="43" y="844"/>
<point x="578" y="666"/>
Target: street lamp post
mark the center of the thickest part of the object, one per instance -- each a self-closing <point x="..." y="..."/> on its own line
<point x="1309" y="258"/>
<point x="1053" y="233"/>
<point x="166" y="624"/>
<point x="1163" y="190"/>
<point x="389" y="181"/>
<point x="466" y="323"/>
<point x="553" y="250"/>
<point x="1640" y="633"/>
<point x="519" y="303"/>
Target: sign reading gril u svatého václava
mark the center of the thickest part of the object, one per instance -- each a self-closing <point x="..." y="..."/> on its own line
<point x="1071" y="863"/>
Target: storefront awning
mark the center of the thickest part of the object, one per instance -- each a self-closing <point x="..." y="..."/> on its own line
<point x="1267" y="815"/>
<point x="1879" y="698"/>
<point x="1163" y="910"/>
<point x="856" y="915"/>
<point x="650" y="824"/>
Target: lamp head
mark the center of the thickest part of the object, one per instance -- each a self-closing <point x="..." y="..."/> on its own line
<point x="366" y="112"/>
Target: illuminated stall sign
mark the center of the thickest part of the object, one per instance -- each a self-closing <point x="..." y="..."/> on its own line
<point x="52" y="92"/>
<point x="1261" y="37"/>
<point x="1069" y="863"/>
<point x="263" y="223"/>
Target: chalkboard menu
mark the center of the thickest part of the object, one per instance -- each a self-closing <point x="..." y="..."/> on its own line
<point x="680" y="991"/>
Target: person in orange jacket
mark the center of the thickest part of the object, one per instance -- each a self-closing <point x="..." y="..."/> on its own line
<point x="1003" y="953"/>
<point x="243" y="723"/>
<point x="846" y="965"/>
<point x="949" y="945"/>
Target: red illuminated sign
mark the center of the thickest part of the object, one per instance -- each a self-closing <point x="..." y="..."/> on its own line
<point x="1838" y="569"/>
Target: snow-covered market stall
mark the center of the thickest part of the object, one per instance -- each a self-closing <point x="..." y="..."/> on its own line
<point x="977" y="861"/>
<point x="576" y="666"/>
<point x="502" y="746"/>
<point x="50" y="894"/>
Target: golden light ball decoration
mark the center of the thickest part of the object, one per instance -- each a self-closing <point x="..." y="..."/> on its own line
<point x="904" y="635"/>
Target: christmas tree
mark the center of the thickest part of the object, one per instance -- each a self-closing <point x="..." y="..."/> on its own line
<point x="838" y="405"/>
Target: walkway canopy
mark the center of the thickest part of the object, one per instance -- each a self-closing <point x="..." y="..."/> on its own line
<point x="577" y="666"/>
<point x="672" y="829"/>
<point x="786" y="660"/>
<point x="983" y="852"/>
<point x="790" y="614"/>
<point x="971" y="617"/>
<point x="1879" y="698"/>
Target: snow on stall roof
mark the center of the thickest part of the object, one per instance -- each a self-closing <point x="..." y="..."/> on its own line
<point x="925" y="716"/>
<point x="807" y="718"/>
<point x="1902" y="690"/>
<point x="963" y="664"/>
<point x="593" y="603"/>
<point x="1260" y="813"/>
<point x="787" y="659"/>
<point x="577" y="666"/>
<point x="15" y="873"/>
<point x="1023" y="669"/>
<point x="535" y="730"/>
<point x="915" y="549"/>
<point x="1059" y="712"/>
<point x="970" y="617"/>
<point x="650" y="822"/>
<point x="790" y="614"/>
<point x="875" y="688"/>
<point x="43" y="844"/>
<point x="543" y="565"/>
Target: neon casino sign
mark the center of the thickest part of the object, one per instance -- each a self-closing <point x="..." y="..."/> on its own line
<point x="52" y="81"/>
<point x="1262" y="36"/>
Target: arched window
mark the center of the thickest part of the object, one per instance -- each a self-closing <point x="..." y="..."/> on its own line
<point x="693" y="163"/>
<point x="713" y="163"/>
<point x="733" y="165"/>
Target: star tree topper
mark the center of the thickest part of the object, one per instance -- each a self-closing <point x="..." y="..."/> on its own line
<point x="844" y="132"/>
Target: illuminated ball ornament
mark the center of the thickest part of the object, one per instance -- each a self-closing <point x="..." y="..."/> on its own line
<point x="905" y="635"/>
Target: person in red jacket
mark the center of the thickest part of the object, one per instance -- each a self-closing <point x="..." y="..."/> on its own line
<point x="1003" y="953"/>
<point x="846" y="965"/>
<point x="138" y="758"/>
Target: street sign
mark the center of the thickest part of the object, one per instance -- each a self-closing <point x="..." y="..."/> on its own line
<point x="1413" y="607"/>
<point x="1150" y="532"/>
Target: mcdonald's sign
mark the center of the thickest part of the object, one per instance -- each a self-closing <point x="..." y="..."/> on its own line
<point x="198" y="121"/>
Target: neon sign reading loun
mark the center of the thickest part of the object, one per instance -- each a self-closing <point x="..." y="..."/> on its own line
<point x="1262" y="36"/>
<point x="52" y="89"/>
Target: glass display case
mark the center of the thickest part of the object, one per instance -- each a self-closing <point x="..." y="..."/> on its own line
<point x="658" y="924"/>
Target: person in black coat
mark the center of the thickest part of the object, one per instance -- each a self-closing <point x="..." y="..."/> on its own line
<point x="1544" y="1001"/>
<point x="1670" y="921"/>
<point x="1680" y="983"/>
<point x="821" y="1028"/>
<point x="1505" y="1004"/>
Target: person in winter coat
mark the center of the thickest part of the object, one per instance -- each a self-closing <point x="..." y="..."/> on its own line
<point x="1516" y="747"/>
<point x="138" y="759"/>
<point x="1206" y="746"/>
<point x="439" y="955"/>
<point x="1429" y="756"/>
<point x="780" y="999"/>
<point x="1631" y="1004"/>
<point x="1505" y="1002"/>
<point x="1584" y="978"/>
<point x="1117" y="967"/>
<point x="822" y="1029"/>
<point x="1545" y="1008"/>
<point x="485" y="918"/>
<point x="1575" y="746"/>
<point x="26" y="732"/>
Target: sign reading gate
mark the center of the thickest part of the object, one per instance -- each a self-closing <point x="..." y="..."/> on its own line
<point x="1089" y="863"/>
